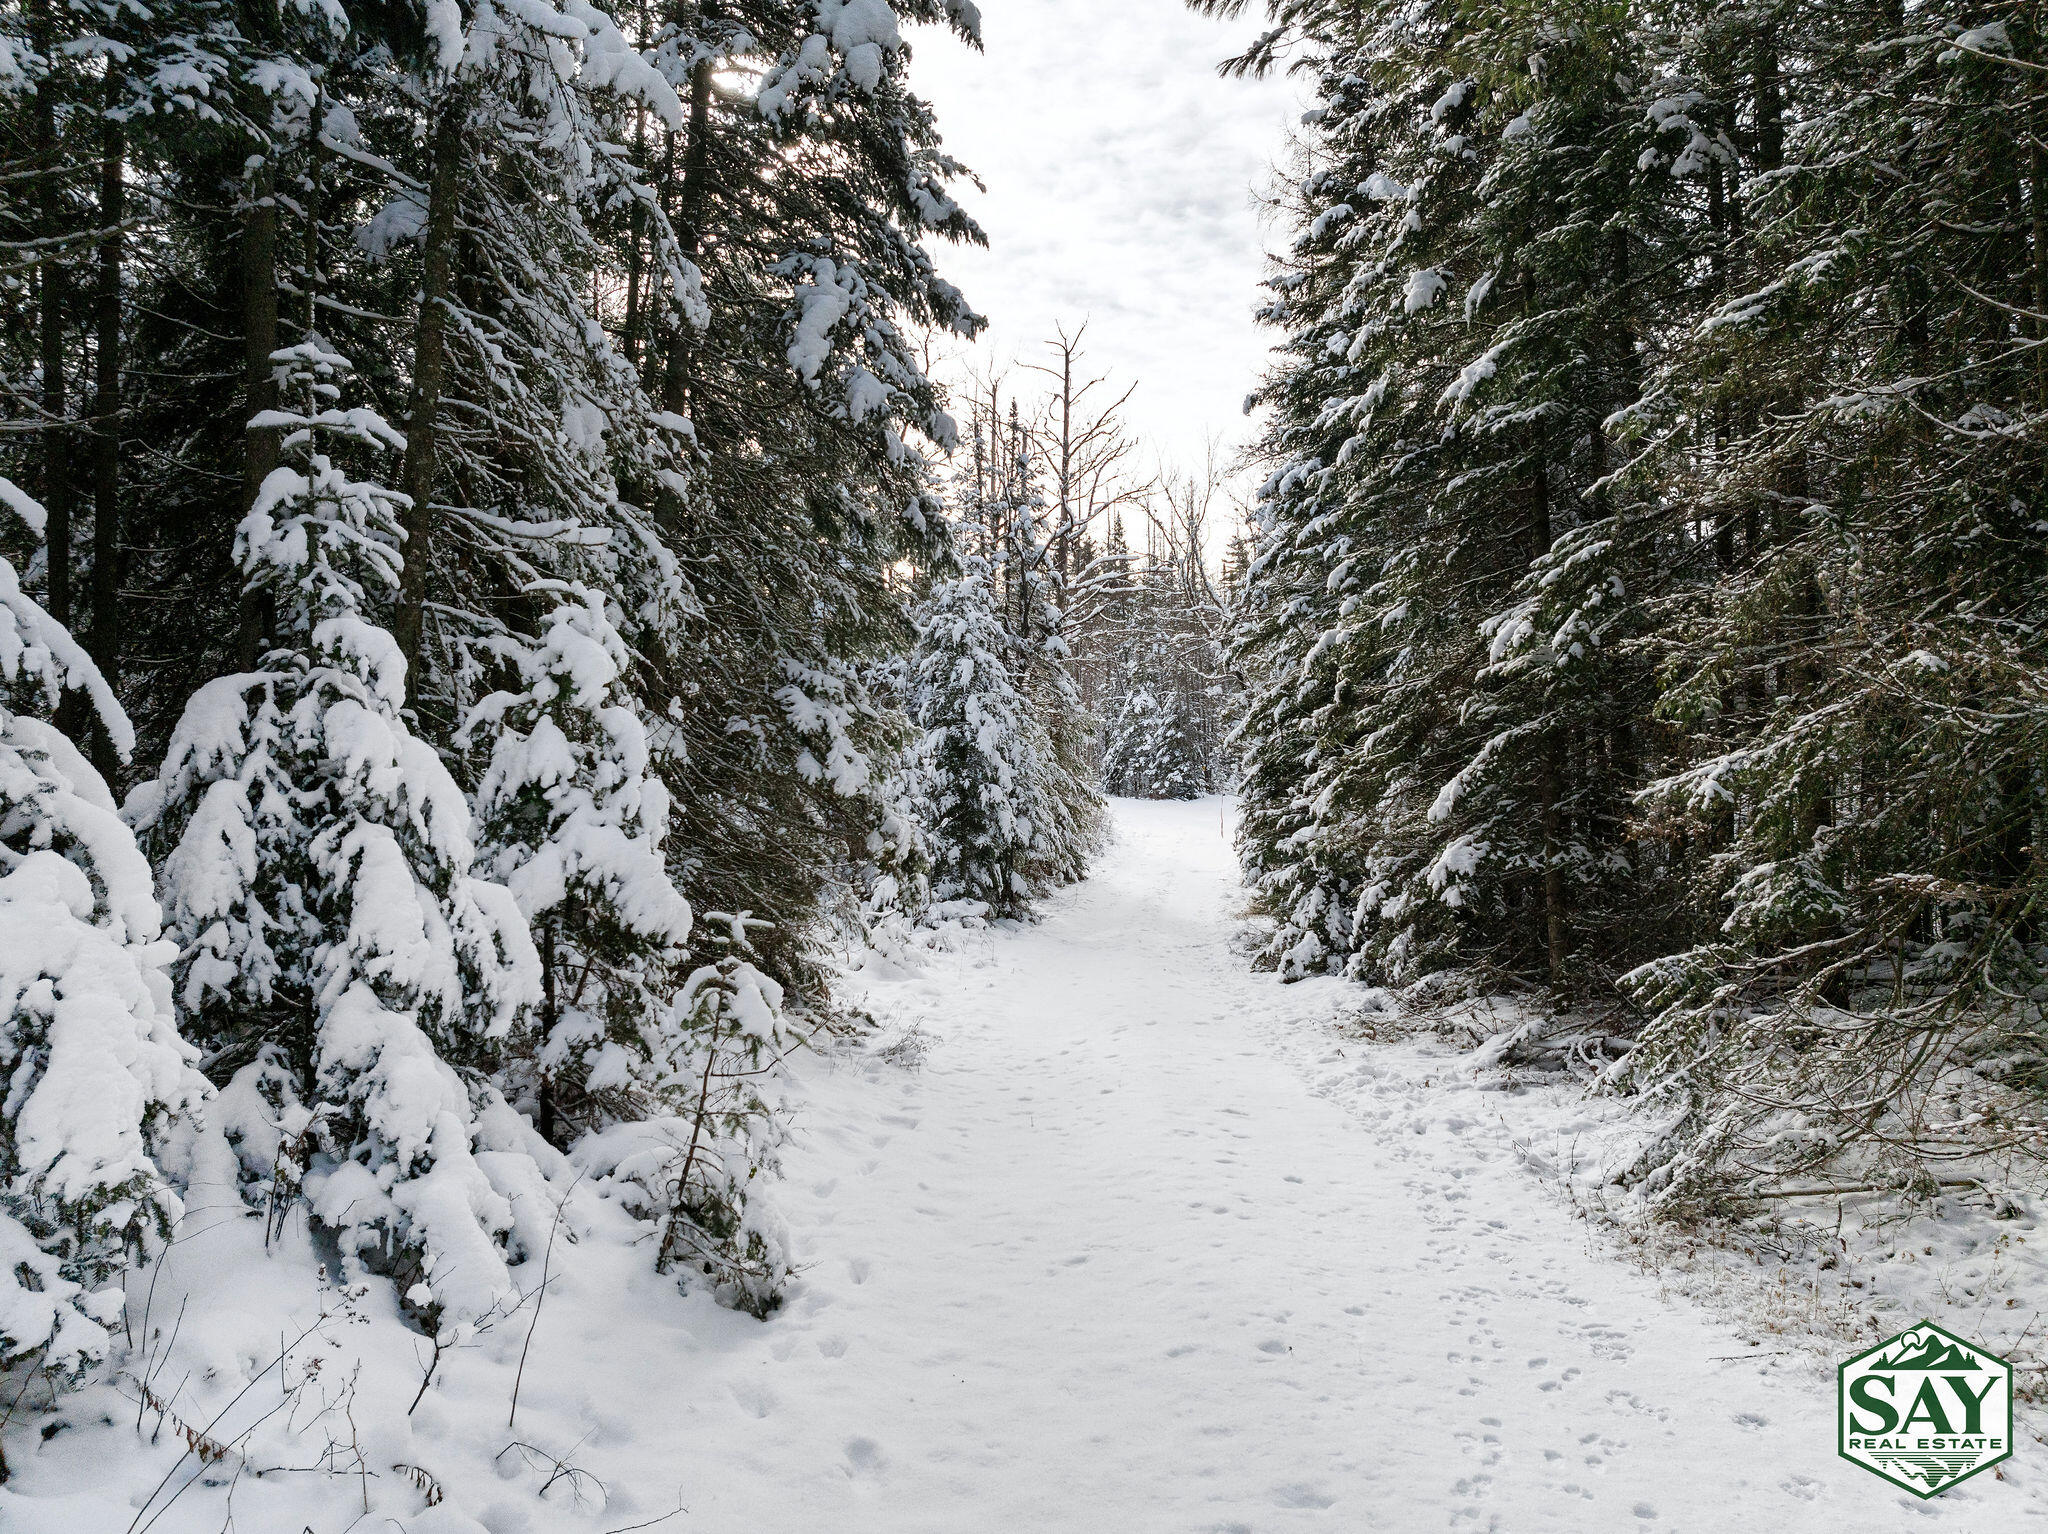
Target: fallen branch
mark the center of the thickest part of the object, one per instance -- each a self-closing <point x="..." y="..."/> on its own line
<point x="1861" y="1187"/>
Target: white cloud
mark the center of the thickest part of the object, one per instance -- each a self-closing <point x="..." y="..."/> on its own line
<point x="1120" y="174"/>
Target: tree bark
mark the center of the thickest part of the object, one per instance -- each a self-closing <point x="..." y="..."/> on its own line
<point x="636" y="233"/>
<point x="550" y="1015"/>
<point x="675" y="383"/>
<point x="2037" y="174"/>
<point x="104" y="639"/>
<point x="315" y="169"/>
<point x="55" y="283"/>
<point x="1770" y="102"/>
<point x="429" y="370"/>
<point x="260" y="446"/>
<point x="1550" y="751"/>
<point x="1553" y="870"/>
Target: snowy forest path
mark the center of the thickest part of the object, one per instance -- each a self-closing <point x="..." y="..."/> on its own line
<point x="1108" y="1261"/>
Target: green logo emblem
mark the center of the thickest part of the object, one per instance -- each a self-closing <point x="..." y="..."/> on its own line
<point x="1925" y="1410"/>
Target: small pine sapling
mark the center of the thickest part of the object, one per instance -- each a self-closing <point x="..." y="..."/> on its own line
<point x="573" y="822"/>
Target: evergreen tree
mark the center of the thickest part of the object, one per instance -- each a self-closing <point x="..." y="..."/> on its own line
<point x="96" y="1072"/>
<point x="572" y="822"/>
<point x="1152" y="746"/>
<point x="338" y="957"/>
<point x="628" y="1031"/>
<point x="1856" y="429"/>
<point x="648" y="309"/>
<point x="979" y="778"/>
<point x="1641" y="600"/>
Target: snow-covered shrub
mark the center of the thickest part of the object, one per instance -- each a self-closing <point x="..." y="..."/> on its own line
<point x="337" y="957"/>
<point x="91" y="1064"/>
<point x="693" y="1170"/>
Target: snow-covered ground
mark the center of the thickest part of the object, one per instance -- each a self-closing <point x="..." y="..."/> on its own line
<point x="1141" y="1243"/>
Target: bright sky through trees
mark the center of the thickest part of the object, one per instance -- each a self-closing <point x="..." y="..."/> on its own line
<point x="1120" y="173"/>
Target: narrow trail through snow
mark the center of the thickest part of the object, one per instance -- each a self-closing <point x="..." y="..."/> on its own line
<point x="1108" y="1261"/>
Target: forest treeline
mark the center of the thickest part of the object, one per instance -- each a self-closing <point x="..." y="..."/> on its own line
<point x="1648" y="586"/>
<point x="490" y="598"/>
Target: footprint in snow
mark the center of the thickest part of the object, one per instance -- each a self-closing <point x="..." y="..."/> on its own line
<point x="1301" y="1495"/>
<point x="857" y="1269"/>
<point x="863" y="1456"/>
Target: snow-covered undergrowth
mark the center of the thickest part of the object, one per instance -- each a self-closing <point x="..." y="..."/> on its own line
<point x="1819" y="1268"/>
<point x="254" y="1387"/>
<point x="258" y="1390"/>
<point x="1095" y="1228"/>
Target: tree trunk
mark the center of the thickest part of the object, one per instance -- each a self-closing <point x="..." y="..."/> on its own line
<point x="1717" y="224"/>
<point x="1770" y="102"/>
<point x="260" y="447"/>
<point x="636" y="233"/>
<point x="1550" y="749"/>
<point x="315" y="172"/>
<point x="2037" y="174"/>
<point x="55" y="282"/>
<point x="1066" y="461"/>
<point x="550" y="1015"/>
<point x="1550" y="752"/>
<point x="675" y="383"/>
<point x="429" y="368"/>
<point x="105" y="635"/>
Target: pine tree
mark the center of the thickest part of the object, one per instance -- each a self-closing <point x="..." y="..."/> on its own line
<point x="630" y="1034"/>
<point x="1152" y="747"/>
<point x="1641" y="600"/>
<point x="572" y="821"/>
<point x="338" y="957"/>
<point x="1858" y="426"/>
<point x="811" y="203"/>
<point x="981" y="763"/>
<point x="95" y="1068"/>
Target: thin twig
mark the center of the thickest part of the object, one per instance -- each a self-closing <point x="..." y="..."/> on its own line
<point x="546" y="1269"/>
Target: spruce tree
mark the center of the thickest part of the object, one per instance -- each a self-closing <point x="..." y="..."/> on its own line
<point x="1641" y="600"/>
<point x="981" y="763"/>
<point x="338" y="957"/>
<point x="96" y="1072"/>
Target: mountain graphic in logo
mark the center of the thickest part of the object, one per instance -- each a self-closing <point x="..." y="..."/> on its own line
<point x="1925" y="1409"/>
<point x="1927" y="1351"/>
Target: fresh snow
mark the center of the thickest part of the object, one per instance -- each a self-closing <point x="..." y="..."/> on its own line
<point x="1102" y="1231"/>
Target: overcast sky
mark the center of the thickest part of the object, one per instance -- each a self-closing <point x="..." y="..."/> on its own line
<point x="1120" y="174"/>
